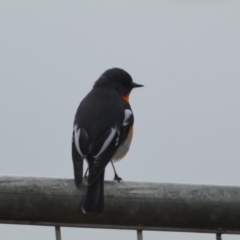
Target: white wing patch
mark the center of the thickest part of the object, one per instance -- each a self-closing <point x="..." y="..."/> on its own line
<point x="117" y="139"/>
<point x="107" y="141"/>
<point x="128" y="113"/>
<point x="76" y="139"/>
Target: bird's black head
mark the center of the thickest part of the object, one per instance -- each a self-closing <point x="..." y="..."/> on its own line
<point x="116" y="79"/>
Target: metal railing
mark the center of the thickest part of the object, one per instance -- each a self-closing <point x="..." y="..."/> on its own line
<point x="129" y="205"/>
<point x="139" y="234"/>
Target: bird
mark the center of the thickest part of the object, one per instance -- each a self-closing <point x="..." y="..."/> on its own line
<point x="102" y="132"/>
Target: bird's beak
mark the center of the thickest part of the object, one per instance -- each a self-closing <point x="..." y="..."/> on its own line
<point x="134" y="85"/>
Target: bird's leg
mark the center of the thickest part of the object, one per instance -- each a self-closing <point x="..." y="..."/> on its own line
<point x="85" y="175"/>
<point x="116" y="177"/>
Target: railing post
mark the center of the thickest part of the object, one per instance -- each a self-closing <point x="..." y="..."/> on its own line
<point x="218" y="236"/>
<point x="139" y="235"/>
<point x="58" y="233"/>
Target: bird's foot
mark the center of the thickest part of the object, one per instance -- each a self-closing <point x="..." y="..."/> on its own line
<point x="117" y="178"/>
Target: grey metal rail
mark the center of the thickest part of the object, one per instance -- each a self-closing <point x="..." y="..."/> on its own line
<point x="128" y="205"/>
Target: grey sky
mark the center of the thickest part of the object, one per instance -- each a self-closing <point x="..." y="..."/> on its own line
<point x="186" y="53"/>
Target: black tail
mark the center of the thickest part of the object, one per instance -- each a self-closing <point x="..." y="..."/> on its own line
<point x="94" y="201"/>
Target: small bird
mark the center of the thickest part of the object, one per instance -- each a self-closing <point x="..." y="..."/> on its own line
<point x="102" y="132"/>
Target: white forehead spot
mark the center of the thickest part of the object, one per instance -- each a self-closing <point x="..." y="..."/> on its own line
<point x="128" y="113"/>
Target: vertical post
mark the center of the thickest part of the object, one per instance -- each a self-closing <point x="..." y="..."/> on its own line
<point x="218" y="236"/>
<point x="139" y="235"/>
<point x="58" y="233"/>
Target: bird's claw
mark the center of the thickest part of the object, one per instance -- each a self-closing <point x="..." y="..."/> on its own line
<point x="117" y="178"/>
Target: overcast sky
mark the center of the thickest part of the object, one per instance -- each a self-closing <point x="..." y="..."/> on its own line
<point x="187" y="55"/>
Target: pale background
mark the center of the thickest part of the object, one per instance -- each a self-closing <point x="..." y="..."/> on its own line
<point x="185" y="52"/>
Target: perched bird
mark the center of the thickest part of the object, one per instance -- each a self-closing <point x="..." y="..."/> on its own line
<point x="102" y="132"/>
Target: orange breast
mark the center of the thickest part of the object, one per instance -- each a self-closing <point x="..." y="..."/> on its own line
<point x="126" y="97"/>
